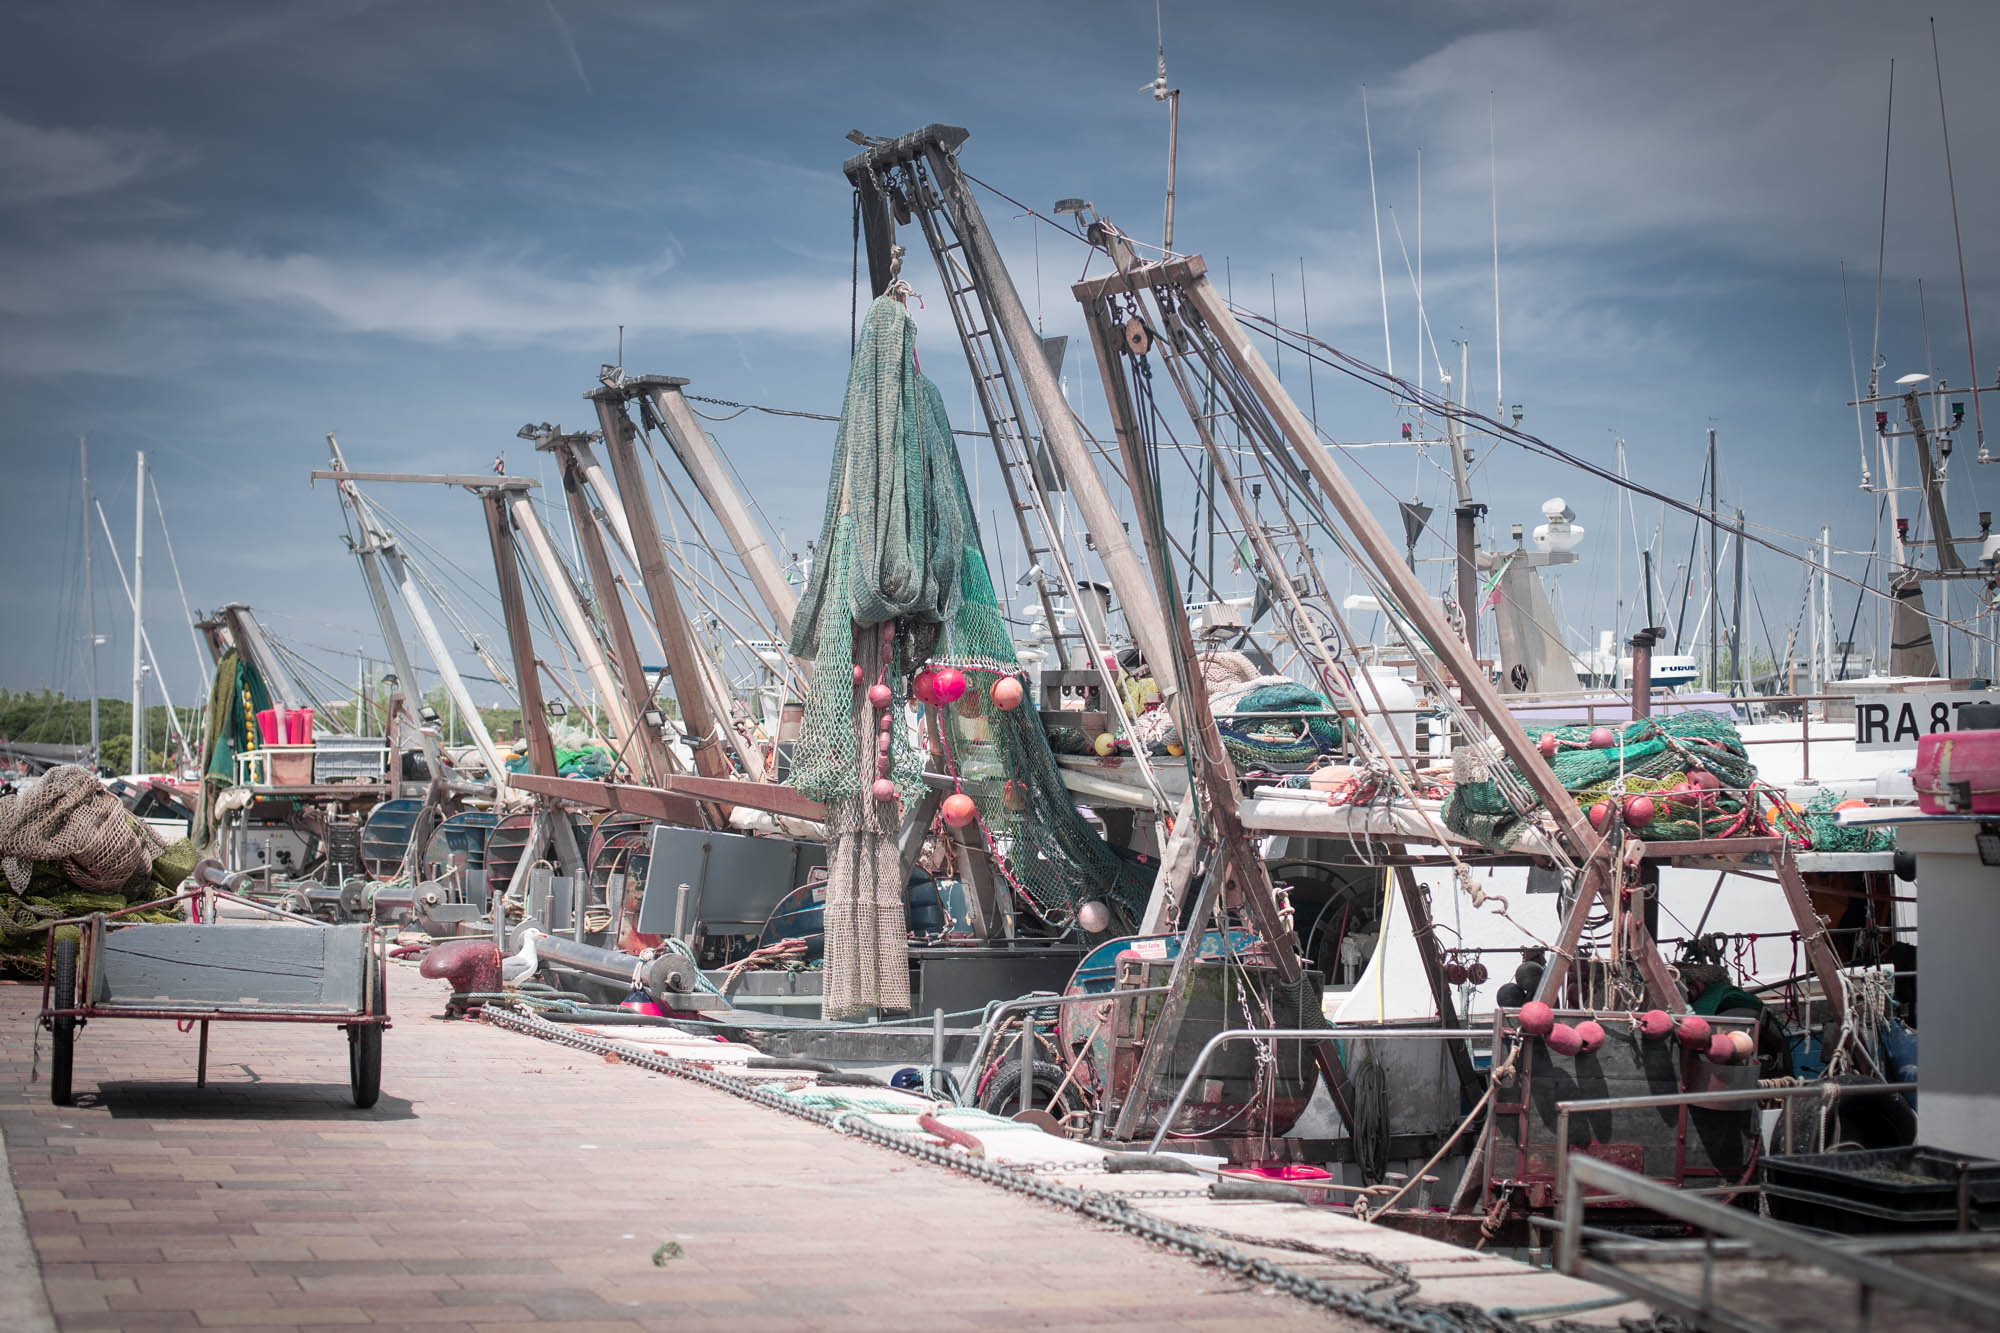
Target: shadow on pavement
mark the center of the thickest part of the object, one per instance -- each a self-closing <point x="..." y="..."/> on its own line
<point x="239" y="1101"/>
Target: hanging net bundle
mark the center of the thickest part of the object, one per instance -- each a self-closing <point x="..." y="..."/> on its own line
<point x="901" y="581"/>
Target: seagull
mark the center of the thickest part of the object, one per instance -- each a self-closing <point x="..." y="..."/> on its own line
<point x="517" y="968"/>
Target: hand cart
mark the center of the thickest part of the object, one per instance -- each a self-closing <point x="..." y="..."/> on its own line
<point x="290" y="969"/>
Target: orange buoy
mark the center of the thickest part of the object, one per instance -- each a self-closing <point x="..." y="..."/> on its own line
<point x="959" y="810"/>
<point x="1007" y="694"/>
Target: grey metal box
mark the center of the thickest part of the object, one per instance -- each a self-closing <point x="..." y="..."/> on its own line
<point x="733" y="879"/>
<point x="349" y="758"/>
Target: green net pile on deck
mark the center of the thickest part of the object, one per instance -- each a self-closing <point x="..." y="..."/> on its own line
<point x="1659" y="758"/>
<point x="1648" y="757"/>
<point x="901" y="581"/>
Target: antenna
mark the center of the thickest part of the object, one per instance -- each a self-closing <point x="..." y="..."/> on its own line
<point x="1172" y="97"/>
<point x="1375" y="212"/>
<point x="1882" y="236"/>
<point x="1964" y="295"/>
<point x="1493" y="170"/>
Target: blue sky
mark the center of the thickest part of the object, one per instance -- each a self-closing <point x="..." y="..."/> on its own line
<point x="226" y="230"/>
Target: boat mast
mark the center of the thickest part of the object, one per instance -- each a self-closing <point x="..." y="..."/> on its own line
<point x="89" y="596"/>
<point x="1467" y="513"/>
<point x="1736" y="619"/>
<point x="138" y="760"/>
<point x="1714" y="567"/>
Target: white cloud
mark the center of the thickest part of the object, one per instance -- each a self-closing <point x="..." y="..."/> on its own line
<point x="498" y="299"/>
<point x="38" y="162"/>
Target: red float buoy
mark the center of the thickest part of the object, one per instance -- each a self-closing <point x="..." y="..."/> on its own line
<point x="1600" y="815"/>
<point x="1547" y="745"/>
<point x="959" y="810"/>
<point x="884" y="789"/>
<point x="1721" y="1050"/>
<point x="1537" y="1018"/>
<point x="1656" y="1023"/>
<point x="857" y="673"/>
<point x="879" y="695"/>
<point x="1476" y="973"/>
<point x="924" y="686"/>
<point x="1454" y="973"/>
<point x="1602" y="738"/>
<point x="1590" y="1033"/>
<point x="949" y="684"/>
<point x="1639" y="811"/>
<point x="1563" y="1039"/>
<point x="1693" y="1031"/>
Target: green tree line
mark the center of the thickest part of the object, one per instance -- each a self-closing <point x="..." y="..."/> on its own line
<point x="48" y="717"/>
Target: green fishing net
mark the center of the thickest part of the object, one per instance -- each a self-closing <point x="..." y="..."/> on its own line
<point x="900" y="547"/>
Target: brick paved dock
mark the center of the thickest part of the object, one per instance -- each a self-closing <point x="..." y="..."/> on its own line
<point x="503" y="1182"/>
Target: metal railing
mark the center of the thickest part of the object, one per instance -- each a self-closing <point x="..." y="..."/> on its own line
<point x="1338" y="1032"/>
<point x="1943" y="1295"/>
<point x="991" y="1025"/>
<point x="1828" y="1092"/>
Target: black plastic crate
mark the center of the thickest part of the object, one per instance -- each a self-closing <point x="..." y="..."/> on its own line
<point x="1881" y="1190"/>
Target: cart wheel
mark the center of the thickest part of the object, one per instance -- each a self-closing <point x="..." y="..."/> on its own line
<point x="364" y="1063"/>
<point x="64" y="992"/>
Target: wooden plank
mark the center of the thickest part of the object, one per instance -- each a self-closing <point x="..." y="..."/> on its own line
<point x="1713" y="847"/>
<point x="650" y="802"/>
<point x="1812" y="934"/>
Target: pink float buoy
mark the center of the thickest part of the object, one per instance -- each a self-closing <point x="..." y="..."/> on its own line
<point x="1590" y="1034"/>
<point x="1693" y="1031"/>
<point x="924" y="686"/>
<point x="949" y="684"/>
<point x="1537" y="1018"/>
<point x="1602" y="738"/>
<point x="884" y="790"/>
<point x="879" y="695"/>
<point x="1656" y="1023"/>
<point x="1547" y="745"/>
<point x="1563" y="1039"/>
<point x="1721" y="1050"/>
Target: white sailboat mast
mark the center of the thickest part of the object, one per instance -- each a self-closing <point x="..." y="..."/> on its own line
<point x="138" y="760"/>
<point x="89" y="596"/>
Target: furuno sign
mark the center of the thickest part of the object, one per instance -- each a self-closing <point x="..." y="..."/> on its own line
<point x="1898" y="721"/>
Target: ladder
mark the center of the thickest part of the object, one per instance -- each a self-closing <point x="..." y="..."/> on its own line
<point x="993" y="381"/>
